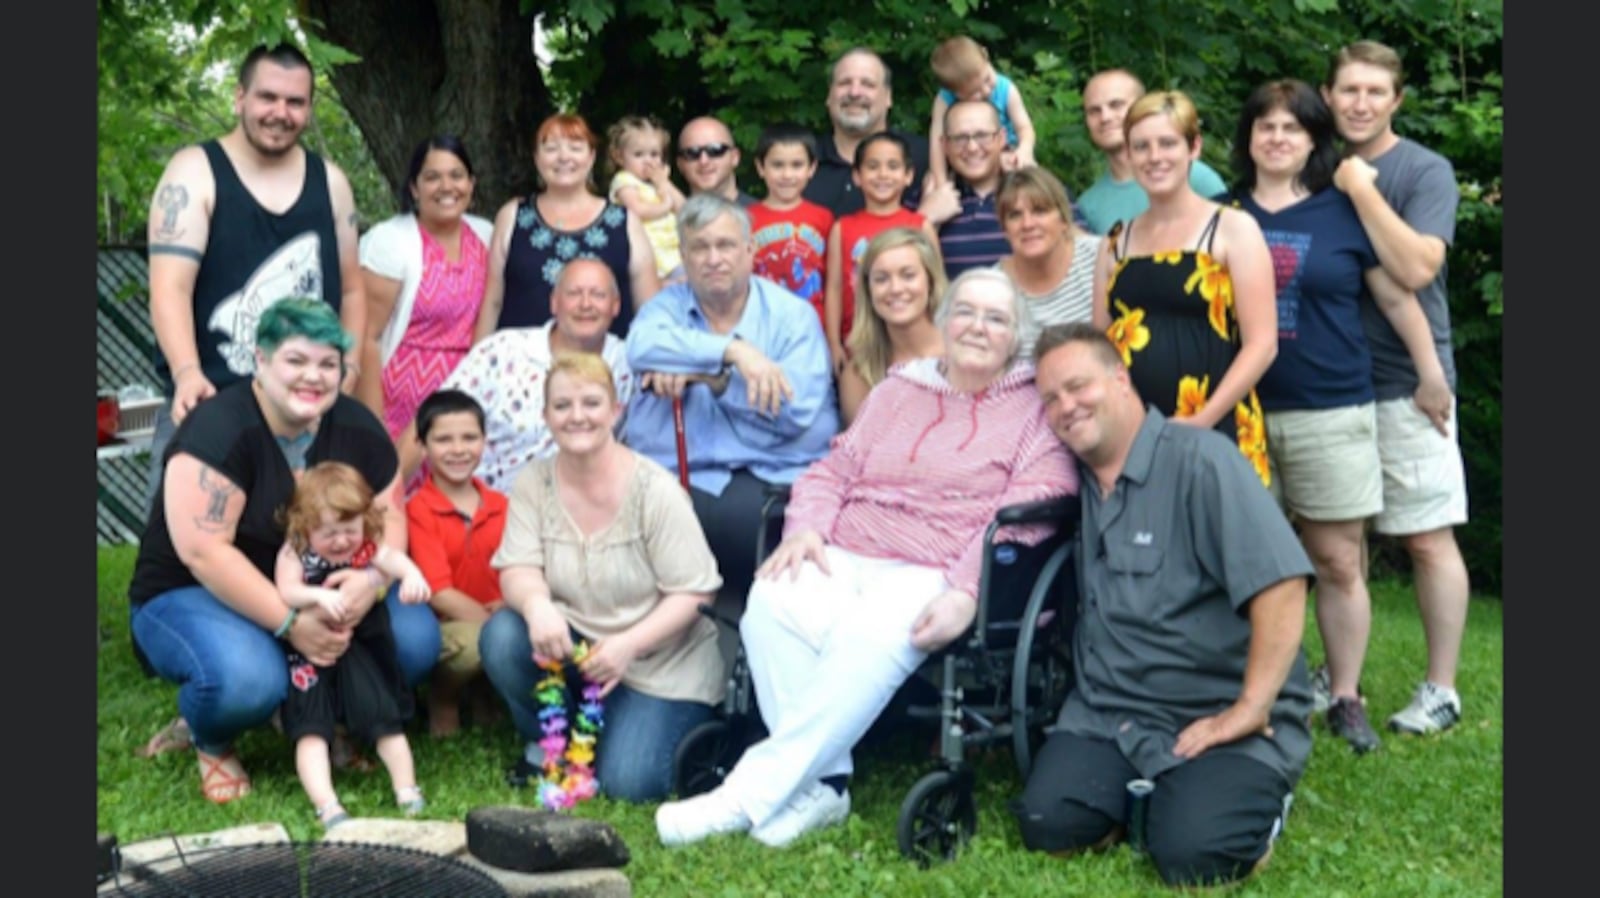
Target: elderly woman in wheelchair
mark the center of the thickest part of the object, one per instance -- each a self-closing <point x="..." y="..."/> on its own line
<point x="883" y="550"/>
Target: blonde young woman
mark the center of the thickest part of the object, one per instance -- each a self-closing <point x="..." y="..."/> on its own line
<point x="1185" y="289"/>
<point x="903" y="277"/>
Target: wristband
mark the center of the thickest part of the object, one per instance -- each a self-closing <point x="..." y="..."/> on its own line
<point x="283" y="628"/>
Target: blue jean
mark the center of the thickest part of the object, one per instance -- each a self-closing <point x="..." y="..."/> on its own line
<point x="231" y="673"/>
<point x="634" y="755"/>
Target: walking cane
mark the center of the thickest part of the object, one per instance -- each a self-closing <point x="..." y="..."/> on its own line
<point x="683" y="451"/>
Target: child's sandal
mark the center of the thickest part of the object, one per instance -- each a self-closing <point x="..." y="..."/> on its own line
<point x="332" y="814"/>
<point x="410" y="800"/>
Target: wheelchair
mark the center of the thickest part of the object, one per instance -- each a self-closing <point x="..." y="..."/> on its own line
<point x="1003" y="682"/>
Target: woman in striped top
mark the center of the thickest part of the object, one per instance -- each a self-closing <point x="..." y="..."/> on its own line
<point x="883" y="540"/>
<point x="1051" y="260"/>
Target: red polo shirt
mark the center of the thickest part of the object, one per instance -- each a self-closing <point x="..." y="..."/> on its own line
<point x="453" y="552"/>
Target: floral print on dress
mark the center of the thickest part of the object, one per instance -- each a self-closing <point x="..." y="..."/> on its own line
<point x="1128" y="332"/>
<point x="1216" y="288"/>
<point x="1252" y="429"/>
<point x="541" y="237"/>
<point x="595" y="238"/>
<point x="1192" y="394"/>
<point x="614" y="216"/>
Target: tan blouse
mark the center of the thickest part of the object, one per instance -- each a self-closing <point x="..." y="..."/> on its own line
<point x="605" y="583"/>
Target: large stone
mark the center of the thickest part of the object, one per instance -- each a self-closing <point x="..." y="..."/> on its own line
<point x="564" y="884"/>
<point x="433" y="836"/>
<point x="535" y="841"/>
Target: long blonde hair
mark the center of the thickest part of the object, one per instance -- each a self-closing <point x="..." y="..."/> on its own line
<point x="869" y="345"/>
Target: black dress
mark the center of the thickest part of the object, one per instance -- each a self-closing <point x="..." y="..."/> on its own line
<point x="365" y="690"/>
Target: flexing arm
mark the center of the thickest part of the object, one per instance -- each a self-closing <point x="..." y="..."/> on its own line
<point x="1277" y="620"/>
<point x="1412" y="258"/>
<point x="494" y="290"/>
<point x="180" y="223"/>
<point x="353" y="302"/>
<point x="1255" y="303"/>
<point x="1400" y="307"/>
<point x="642" y="279"/>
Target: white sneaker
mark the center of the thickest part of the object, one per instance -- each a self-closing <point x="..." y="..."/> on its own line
<point x="710" y="814"/>
<point x="1432" y="709"/>
<point x="815" y="807"/>
<point x="1321" y="694"/>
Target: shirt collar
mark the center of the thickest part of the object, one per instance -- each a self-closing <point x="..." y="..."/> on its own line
<point x="1142" y="454"/>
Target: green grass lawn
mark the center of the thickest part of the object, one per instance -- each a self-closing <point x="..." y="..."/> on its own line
<point x="1418" y="817"/>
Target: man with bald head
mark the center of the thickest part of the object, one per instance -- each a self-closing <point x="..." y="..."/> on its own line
<point x="1116" y="196"/>
<point x="970" y="235"/>
<point x="707" y="159"/>
<point x="505" y="372"/>
<point x="859" y="98"/>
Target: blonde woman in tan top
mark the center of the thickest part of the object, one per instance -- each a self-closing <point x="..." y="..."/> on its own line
<point x="602" y="545"/>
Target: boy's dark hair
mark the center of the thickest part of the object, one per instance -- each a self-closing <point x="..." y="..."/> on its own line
<point x="897" y="140"/>
<point x="286" y="55"/>
<point x="786" y="132"/>
<point x="445" y="402"/>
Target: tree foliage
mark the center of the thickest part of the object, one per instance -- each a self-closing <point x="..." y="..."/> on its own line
<point x="407" y="68"/>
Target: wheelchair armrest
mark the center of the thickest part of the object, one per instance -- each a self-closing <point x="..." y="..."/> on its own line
<point x="1058" y="509"/>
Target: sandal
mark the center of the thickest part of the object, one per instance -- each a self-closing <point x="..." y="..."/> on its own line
<point x="218" y="784"/>
<point x="410" y="800"/>
<point x="332" y="814"/>
<point x="175" y="736"/>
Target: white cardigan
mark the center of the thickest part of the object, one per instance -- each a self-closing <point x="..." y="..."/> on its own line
<point x="393" y="249"/>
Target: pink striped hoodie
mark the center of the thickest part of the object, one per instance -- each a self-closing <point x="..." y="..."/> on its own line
<point x="924" y="468"/>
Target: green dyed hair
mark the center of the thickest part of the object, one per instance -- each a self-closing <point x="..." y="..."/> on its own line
<point x="300" y="317"/>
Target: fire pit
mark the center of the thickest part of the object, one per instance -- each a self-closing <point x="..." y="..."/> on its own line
<point x="305" y="869"/>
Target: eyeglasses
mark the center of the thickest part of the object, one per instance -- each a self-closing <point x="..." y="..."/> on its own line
<point x="714" y="150"/>
<point x="975" y="137"/>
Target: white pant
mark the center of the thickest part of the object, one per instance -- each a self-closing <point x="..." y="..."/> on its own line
<point x="827" y="653"/>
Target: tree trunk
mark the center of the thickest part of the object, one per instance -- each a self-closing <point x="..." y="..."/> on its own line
<point x="441" y="66"/>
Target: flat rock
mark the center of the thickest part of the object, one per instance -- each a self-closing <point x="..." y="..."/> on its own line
<point x="530" y="840"/>
<point x="595" y="883"/>
<point x="433" y="836"/>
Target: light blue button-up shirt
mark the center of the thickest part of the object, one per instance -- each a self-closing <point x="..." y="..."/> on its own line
<point x="724" y="433"/>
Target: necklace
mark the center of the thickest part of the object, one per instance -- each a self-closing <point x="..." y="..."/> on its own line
<point x="568" y="763"/>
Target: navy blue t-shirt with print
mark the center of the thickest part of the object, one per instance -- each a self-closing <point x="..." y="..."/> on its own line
<point x="1320" y="255"/>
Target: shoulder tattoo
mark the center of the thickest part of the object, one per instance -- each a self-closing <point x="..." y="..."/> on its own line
<point x="172" y="199"/>
<point x="218" y="490"/>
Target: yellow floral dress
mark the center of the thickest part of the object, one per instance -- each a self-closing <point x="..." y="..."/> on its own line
<point x="1172" y="318"/>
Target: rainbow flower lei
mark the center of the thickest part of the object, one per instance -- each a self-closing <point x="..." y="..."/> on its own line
<point x="568" y="764"/>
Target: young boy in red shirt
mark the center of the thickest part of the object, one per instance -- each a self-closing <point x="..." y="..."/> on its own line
<point x="454" y="524"/>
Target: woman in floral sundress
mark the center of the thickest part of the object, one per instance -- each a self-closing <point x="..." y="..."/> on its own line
<point x="1185" y="290"/>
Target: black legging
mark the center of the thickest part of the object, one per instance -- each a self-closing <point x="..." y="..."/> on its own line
<point x="731" y="522"/>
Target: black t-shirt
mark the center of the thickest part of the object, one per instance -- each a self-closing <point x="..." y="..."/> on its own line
<point x="229" y="434"/>
<point x="832" y="188"/>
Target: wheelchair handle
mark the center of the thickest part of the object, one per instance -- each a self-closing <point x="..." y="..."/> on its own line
<point x="1053" y="510"/>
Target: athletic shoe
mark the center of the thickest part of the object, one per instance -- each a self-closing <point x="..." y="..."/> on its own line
<point x="710" y="814"/>
<point x="1347" y="718"/>
<point x="813" y="808"/>
<point x="1321" y="697"/>
<point x="1433" y="709"/>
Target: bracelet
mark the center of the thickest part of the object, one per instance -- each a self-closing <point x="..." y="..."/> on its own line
<point x="283" y="628"/>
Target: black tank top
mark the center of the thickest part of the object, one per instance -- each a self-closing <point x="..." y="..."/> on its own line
<point x="254" y="258"/>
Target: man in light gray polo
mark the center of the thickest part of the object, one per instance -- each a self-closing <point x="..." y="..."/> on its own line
<point x="1186" y="652"/>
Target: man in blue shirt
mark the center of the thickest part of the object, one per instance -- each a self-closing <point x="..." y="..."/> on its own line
<point x="750" y="363"/>
<point x="1116" y="196"/>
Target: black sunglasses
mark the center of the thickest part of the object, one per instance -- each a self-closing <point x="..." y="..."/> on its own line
<point x="714" y="150"/>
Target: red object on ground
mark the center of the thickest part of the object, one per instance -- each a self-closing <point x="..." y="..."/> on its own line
<point x="683" y="451"/>
<point x="107" y="413"/>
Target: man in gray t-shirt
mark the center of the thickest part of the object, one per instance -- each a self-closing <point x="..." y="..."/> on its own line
<point x="1406" y="196"/>
<point x="1186" y="652"/>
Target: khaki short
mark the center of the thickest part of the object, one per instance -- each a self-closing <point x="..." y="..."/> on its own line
<point x="458" y="648"/>
<point x="1325" y="462"/>
<point x="1424" y="480"/>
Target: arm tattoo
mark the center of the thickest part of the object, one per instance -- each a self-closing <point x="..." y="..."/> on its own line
<point x="355" y="221"/>
<point x="172" y="198"/>
<point x="218" y="491"/>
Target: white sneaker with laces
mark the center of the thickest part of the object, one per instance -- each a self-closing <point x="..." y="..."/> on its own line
<point x="1433" y="709"/>
<point x="700" y="817"/>
<point x="812" y="808"/>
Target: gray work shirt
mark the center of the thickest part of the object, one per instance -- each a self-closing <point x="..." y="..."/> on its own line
<point x="1166" y="564"/>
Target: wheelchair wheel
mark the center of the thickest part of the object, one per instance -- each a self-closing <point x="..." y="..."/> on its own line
<point x="937" y="817"/>
<point x="701" y="760"/>
<point x="1041" y="671"/>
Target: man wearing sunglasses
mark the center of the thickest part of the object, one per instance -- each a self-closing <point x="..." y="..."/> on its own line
<point x="707" y="159"/>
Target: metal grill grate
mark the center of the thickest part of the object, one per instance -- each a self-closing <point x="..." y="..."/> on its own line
<point x="307" y="870"/>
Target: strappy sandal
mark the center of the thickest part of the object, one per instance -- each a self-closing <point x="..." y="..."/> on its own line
<point x="410" y="800"/>
<point x="332" y="814"/>
<point x="175" y="736"/>
<point x="216" y="782"/>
